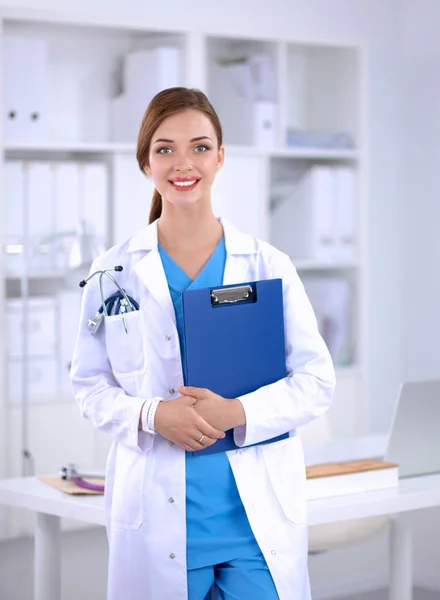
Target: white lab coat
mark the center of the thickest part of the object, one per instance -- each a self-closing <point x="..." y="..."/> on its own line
<point x="114" y="372"/>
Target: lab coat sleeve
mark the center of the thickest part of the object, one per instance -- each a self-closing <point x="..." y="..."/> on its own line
<point x="307" y="391"/>
<point x="96" y="390"/>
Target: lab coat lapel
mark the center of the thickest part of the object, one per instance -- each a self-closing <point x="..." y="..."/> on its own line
<point x="239" y="246"/>
<point x="149" y="269"/>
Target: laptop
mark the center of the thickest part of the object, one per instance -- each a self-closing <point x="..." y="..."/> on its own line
<point x="414" y="442"/>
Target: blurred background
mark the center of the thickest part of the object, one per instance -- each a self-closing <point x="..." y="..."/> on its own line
<point x="331" y="119"/>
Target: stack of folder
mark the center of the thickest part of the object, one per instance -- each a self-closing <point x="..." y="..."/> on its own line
<point x="25" y="85"/>
<point x="43" y="198"/>
<point x="315" y="217"/>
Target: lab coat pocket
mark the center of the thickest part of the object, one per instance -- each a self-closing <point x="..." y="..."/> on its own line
<point x="126" y="349"/>
<point x="129" y="475"/>
<point x="285" y="466"/>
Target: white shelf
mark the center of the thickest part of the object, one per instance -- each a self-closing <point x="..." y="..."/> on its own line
<point x="50" y="148"/>
<point x="314" y="153"/>
<point x="320" y="265"/>
<point x="55" y="273"/>
<point x="68" y="148"/>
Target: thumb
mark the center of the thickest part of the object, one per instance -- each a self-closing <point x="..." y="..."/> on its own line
<point x="187" y="390"/>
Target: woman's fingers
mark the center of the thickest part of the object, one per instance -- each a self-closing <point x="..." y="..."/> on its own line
<point x="192" y="444"/>
<point x="208" y="430"/>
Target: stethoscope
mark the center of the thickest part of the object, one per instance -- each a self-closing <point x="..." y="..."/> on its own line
<point x="118" y="303"/>
<point x="69" y="473"/>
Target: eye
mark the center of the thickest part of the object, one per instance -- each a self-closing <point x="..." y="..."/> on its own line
<point x="163" y="150"/>
<point x="201" y="148"/>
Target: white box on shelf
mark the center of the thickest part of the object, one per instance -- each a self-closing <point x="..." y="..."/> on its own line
<point x="119" y="132"/>
<point x="94" y="200"/>
<point x="42" y="379"/>
<point x="13" y="214"/>
<point x="238" y="193"/>
<point x="145" y="73"/>
<point x="13" y="90"/>
<point x="331" y="299"/>
<point x="152" y="70"/>
<point x="345" y="217"/>
<point x="302" y="220"/>
<point x="25" y="85"/>
<point x="36" y="91"/>
<point x="69" y="304"/>
<point x="132" y="193"/>
<point x="41" y="323"/>
<point x="39" y="215"/>
<point x="264" y="123"/>
<point x="66" y="206"/>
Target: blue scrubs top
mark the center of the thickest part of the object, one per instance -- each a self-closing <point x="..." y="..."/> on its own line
<point x="218" y="529"/>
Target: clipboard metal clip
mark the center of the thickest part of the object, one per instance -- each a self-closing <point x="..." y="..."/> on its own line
<point x="231" y="295"/>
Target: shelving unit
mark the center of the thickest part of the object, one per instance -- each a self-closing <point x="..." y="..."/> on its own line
<point x="314" y="154"/>
<point x="318" y="87"/>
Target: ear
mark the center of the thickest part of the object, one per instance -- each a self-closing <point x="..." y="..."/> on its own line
<point x="147" y="170"/>
<point x="220" y="158"/>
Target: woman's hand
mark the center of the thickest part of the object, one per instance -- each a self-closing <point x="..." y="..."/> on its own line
<point x="219" y="412"/>
<point x="178" y="422"/>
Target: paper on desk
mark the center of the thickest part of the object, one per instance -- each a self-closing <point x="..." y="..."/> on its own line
<point x="69" y="487"/>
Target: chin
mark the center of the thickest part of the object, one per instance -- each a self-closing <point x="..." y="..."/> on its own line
<point x="186" y="201"/>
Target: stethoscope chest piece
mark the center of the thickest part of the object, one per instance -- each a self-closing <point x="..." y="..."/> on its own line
<point x="118" y="303"/>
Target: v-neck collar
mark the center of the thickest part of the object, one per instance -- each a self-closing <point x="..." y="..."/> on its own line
<point x="182" y="274"/>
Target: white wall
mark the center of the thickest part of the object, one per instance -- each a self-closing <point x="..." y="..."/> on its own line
<point x="420" y="155"/>
<point x="376" y="22"/>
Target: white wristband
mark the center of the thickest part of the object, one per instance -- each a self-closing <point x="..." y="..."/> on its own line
<point x="148" y="414"/>
<point x="152" y="413"/>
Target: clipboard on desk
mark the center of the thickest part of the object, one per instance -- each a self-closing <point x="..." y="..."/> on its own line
<point x="234" y="342"/>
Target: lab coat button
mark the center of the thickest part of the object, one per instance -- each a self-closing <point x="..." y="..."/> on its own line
<point x="273" y="552"/>
<point x="172" y="391"/>
<point x="172" y="555"/>
<point x="239" y="452"/>
<point x="171" y="500"/>
<point x="168" y="338"/>
<point x="170" y="444"/>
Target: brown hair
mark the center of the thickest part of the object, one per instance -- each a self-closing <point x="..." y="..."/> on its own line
<point x="165" y="103"/>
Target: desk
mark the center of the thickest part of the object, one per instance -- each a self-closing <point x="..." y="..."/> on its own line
<point x="412" y="494"/>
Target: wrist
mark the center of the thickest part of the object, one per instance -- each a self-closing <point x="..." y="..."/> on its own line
<point x="236" y="414"/>
<point x="148" y="414"/>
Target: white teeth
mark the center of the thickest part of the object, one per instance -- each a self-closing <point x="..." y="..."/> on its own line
<point x="184" y="183"/>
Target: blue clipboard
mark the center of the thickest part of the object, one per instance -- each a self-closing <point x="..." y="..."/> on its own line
<point x="234" y="342"/>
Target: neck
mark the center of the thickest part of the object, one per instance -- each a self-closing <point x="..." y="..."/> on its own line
<point x="188" y="229"/>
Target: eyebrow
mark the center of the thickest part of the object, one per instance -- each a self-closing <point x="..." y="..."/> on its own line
<point x="196" y="139"/>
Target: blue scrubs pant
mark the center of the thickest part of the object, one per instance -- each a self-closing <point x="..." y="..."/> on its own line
<point x="241" y="579"/>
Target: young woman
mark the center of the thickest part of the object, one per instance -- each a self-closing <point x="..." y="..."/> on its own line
<point x="179" y="524"/>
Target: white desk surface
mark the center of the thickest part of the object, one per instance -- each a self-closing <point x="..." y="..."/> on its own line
<point x="31" y="493"/>
<point x="412" y="494"/>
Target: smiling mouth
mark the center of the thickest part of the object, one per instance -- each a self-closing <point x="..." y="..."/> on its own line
<point x="184" y="186"/>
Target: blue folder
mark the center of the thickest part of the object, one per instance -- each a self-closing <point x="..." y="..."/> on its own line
<point x="234" y="342"/>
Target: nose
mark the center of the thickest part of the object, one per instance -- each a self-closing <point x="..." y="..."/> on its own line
<point x="182" y="162"/>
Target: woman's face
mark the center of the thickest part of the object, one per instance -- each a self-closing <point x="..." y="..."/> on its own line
<point x="184" y="158"/>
